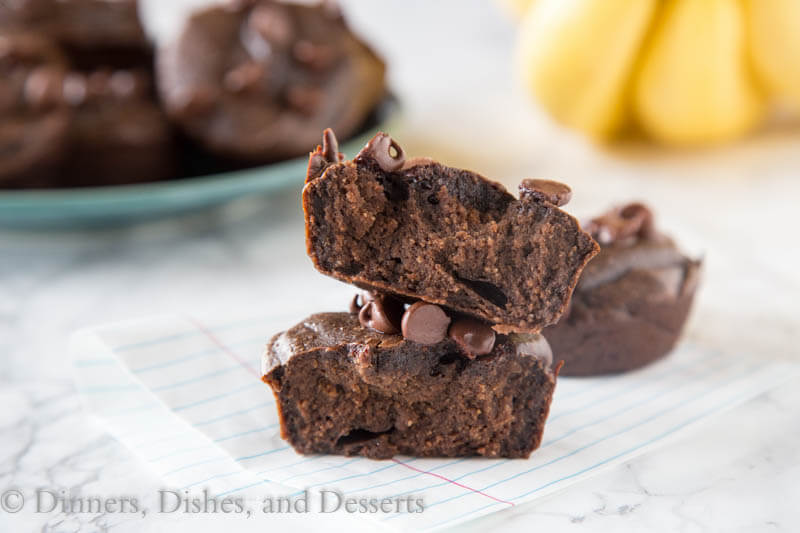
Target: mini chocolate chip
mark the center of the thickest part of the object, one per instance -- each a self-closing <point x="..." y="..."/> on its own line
<point x="316" y="166"/>
<point x="330" y="147"/>
<point x="550" y="191"/>
<point x="316" y="56"/>
<point x="43" y="87"/>
<point x="425" y="323"/>
<point x="473" y="336"/>
<point x="323" y="156"/>
<point x="534" y="345"/>
<point x="601" y="231"/>
<point x="244" y="77"/>
<point x="74" y="89"/>
<point x="122" y="84"/>
<point x="368" y="296"/>
<point x="272" y="23"/>
<point x="640" y="216"/>
<point x="379" y="148"/>
<point x="361" y="298"/>
<point x="304" y="99"/>
<point x="127" y="84"/>
<point x="621" y="223"/>
<point x="97" y="83"/>
<point x="381" y="314"/>
<point x="198" y="100"/>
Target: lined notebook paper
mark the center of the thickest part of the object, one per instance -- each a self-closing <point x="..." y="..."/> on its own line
<point x="184" y="395"/>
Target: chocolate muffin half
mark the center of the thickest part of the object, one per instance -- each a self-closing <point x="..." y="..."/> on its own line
<point x="632" y="300"/>
<point x="343" y="388"/>
<point x="421" y="230"/>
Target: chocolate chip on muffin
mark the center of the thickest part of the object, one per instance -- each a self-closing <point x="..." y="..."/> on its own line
<point x="440" y="356"/>
<point x="443" y="235"/>
<point x="346" y="389"/>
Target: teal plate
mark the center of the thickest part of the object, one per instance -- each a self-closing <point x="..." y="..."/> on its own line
<point x="95" y="206"/>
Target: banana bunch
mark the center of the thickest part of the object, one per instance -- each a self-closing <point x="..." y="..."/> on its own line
<point x="684" y="72"/>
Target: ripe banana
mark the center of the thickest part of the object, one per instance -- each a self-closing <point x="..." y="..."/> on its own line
<point x="774" y="43"/>
<point x="576" y="57"/>
<point x="693" y="86"/>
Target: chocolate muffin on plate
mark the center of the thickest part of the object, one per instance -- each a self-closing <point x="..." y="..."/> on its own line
<point x="34" y="119"/>
<point x="117" y="133"/>
<point x="258" y="80"/>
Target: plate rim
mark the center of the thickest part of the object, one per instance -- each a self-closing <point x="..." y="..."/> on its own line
<point x="261" y="179"/>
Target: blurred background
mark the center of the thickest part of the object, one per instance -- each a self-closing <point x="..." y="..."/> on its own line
<point x="652" y="102"/>
<point x="461" y="72"/>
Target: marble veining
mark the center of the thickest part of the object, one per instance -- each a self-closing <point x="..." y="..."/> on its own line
<point x="735" y="206"/>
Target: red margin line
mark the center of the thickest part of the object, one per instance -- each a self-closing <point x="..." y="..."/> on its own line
<point x="434" y="474"/>
<point x="213" y="338"/>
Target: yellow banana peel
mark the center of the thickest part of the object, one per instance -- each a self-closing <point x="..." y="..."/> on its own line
<point x="576" y="57"/>
<point x="694" y="86"/>
<point x="773" y="31"/>
<point x="685" y="72"/>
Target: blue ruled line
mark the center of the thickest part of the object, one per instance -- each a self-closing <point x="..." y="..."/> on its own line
<point x="731" y="401"/>
<point x="652" y="379"/>
<point x="602" y="439"/>
<point x="248" y="432"/>
<point x="606" y="380"/>
<point x="289" y="465"/>
<point x="194" y="332"/>
<point x="500" y="462"/>
<point x="352" y="476"/>
<point x="333" y="467"/>
<point x="218" y="396"/>
<point x="205" y="447"/>
<point x="572" y="431"/>
<point x="200" y="424"/>
<point x="197" y="379"/>
<point x="178" y="360"/>
<point x="268" y="452"/>
<point x="199" y="354"/>
<point x="232" y="414"/>
<point x="575" y="393"/>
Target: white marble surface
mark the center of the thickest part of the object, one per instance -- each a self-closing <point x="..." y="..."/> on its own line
<point x="451" y="67"/>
